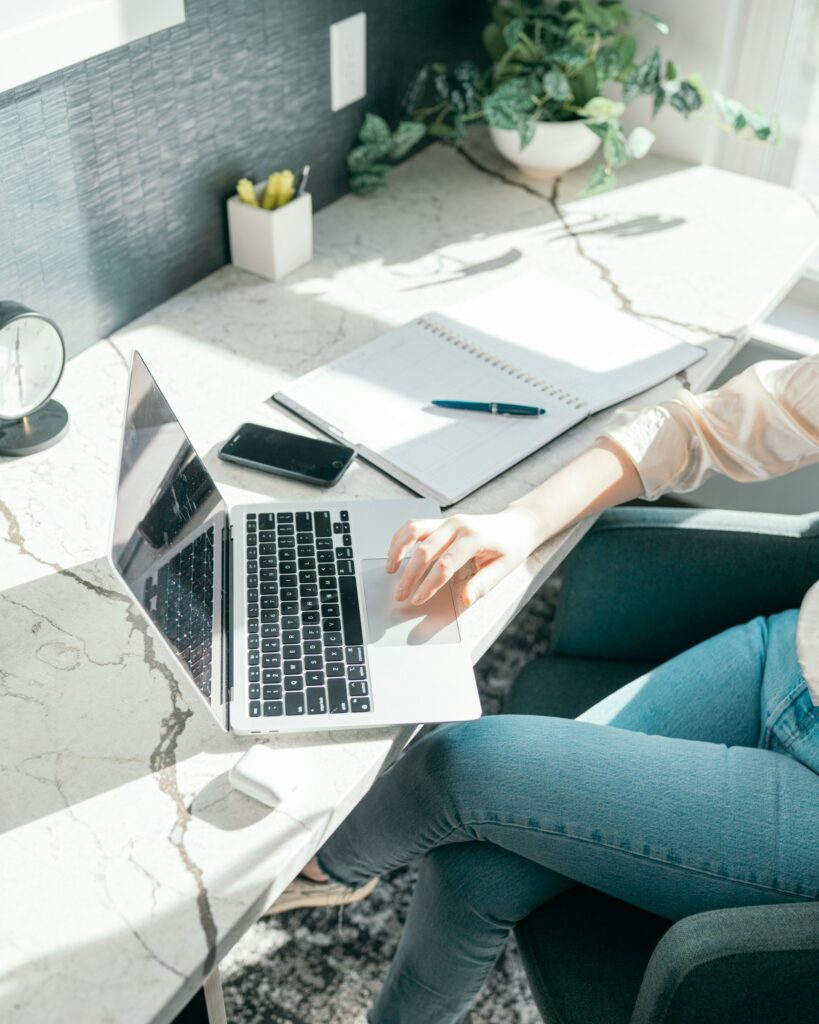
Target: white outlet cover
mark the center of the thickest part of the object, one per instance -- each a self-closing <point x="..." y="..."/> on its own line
<point x="348" y="61"/>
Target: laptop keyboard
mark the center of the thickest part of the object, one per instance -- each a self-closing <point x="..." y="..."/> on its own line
<point x="305" y="645"/>
<point x="180" y="602"/>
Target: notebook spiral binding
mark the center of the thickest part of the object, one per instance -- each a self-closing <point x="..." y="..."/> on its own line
<point x="514" y="371"/>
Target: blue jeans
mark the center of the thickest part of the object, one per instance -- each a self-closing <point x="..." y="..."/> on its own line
<point x="693" y="788"/>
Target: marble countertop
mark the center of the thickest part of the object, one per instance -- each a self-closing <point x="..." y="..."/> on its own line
<point x="127" y="865"/>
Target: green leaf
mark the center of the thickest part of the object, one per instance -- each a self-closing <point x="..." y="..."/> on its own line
<point x="640" y="142"/>
<point x="598" y="127"/>
<point x="415" y="91"/>
<point x="685" y="99"/>
<point x="608" y="63"/>
<point x="600" y="180"/>
<point x="369" y="181"/>
<point x="501" y="15"/>
<point x="572" y="57"/>
<point x="510" y="104"/>
<point x="738" y="117"/>
<point x="362" y="158"/>
<point x="659" y="24"/>
<point x="375" y="132"/>
<point x="584" y="85"/>
<point x="556" y="85"/>
<point x="600" y="108"/>
<point x="441" y="130"/>
<point x="493" y="41"/>
<point x="511" y="32"/>
<point x="644" y="78"/>
<point x="405" y="136"/>
<point x="526" y="129"/>
<point x="615" y="147"/>
<point x="671" y="70"/>
<point x="626" y="47"/>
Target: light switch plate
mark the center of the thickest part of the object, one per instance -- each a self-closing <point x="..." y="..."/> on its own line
<point x="348" y="61"/>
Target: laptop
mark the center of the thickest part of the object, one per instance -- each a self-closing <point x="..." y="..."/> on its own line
<point x="280" y="614"/>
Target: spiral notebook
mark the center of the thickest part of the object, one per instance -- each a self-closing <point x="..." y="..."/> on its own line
<point x="530" y="341"/>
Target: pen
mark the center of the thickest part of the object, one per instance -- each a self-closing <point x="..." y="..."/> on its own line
<point x="305" y="174"/>
<point x="496" y="408"/>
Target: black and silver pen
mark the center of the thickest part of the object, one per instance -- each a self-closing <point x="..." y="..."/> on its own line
<point x="495" y="408"/>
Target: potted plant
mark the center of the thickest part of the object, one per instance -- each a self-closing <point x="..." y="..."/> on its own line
<point x="542" y="95"/>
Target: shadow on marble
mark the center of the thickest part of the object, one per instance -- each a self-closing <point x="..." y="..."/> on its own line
<point x="628" y="227"/>
<point x="221" y="806"/>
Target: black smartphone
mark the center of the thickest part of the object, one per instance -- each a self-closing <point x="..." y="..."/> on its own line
<point x="290" y="455"/>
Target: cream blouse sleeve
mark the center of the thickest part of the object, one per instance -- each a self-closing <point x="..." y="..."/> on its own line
<point x="758" y="425"/>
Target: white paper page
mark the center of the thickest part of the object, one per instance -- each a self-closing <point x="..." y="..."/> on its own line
<point x="569" y="339"/>
<point x="379" y="396"/>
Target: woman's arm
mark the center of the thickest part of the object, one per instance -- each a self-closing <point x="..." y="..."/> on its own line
<point x="599" y="478"/>
<point x="760" y="424"/>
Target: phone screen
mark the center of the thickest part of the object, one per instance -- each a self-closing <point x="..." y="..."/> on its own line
<point x="290" y="454"/>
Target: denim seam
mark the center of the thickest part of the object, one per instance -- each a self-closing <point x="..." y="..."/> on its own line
<point x="776" y="715"/>
<point x="638" y="856"/>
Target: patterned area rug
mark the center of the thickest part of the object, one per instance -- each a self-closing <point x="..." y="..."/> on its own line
<point x="322" y="967"/>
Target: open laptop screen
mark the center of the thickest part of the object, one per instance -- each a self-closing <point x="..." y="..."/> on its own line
<point x="168" y="533"/>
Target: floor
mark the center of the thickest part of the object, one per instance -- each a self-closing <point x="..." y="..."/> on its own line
<point x="322" y="967"/>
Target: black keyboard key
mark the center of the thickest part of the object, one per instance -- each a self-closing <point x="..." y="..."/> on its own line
<point x="304" y="538"/>
<point x="322" y="524"/>
<point x="347" y="540"/>
<point x="270" y="576"/>
<point x="358" y="704"/>
<point x="269" y="601"/>
<point x="255" y="709"/>
<point x="356" y="672"/>
<point x="252" y="580"/>
<point x="350" y="610"/>
<point x="291" y="636"/>
<point x="290" y="622"/>
<point x="310" y="604"/>
<point x="308" y="590"/>
<point x="293" y="683"/>
<point x="307" y="576"/>
<point x="326" y="569"/>
<point x="266" y="521"/>
<point x="286" y="530"/>
<point x="327" y="583"/>
<point x="271" y="661"/>
<point x="307" y="563"/>
<point x="253" y="675"/>
<point x="311" y="647"/>
<point x="354" y="655"/>
<point x="288" y="566"/>
<point x="252" y="611"/>
<point x="253" y="643"/>
<point x="338" y="528"/>
<point x="270" y="615"/>
<point x="269" y="589"/>
<point x="270" y="630"/>
<point x="294" y="703"/>
<point x="314" y="678"/>
<point x="252" y="595"/>
<point x="273" y="709"/>
<point x="313" y="663"/>
<point x="271" y="646"/>
<point x="331" y="625"/>
<point x="345" y="568"/>
<point x="357" y="687"/>
<point x="253" y="565"/>
<point x="267" y="537"/>
<point x="304" y="521"/>
<point x="324" y="556"/>
<point x="344" y="516"/>
<point x="333" y="654"/>
<point x="289" y="594"/>
<point x="312" y="633"/>
<point x="337" y="696"/>
<point x="284" y="517"/>
<point x="288" y="581"/>
<point x="271" y="675"/>
<point x="267" y="551"/>
<point x="253" y="626"/>
<point x="290" y="608"/>
<point x="332" y="639"/>
<point x="293" y="668"/>
<point x="254" y="691"/>
<point x="292" y="651"/>
<point x="271" y="692"/>
<point x="330" y="611"/>
<point x="324" y="544"/>
<point x="268" y="562"/>
<point x="310" y="618"/>
<point x="316" y="702"/>
<point x="253" y="657"/>
<point x="250" y="520"/>
<point x="329" y="597"/>
<point x="287" y="547"/>
<point x="344" y="552"/>
<point x="335" y="670"/>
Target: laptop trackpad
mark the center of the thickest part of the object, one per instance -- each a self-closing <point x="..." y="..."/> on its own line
<point x="394" y="624"/>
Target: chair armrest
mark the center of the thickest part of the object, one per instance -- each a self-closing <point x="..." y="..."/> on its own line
<point x="749" y="964"/>
<point x="646" y="583"/>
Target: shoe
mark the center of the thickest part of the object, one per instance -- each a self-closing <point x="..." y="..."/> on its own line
<point x="303" y="892"/>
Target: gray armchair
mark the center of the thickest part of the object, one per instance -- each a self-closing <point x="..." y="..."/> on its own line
<point x="645" y="584"/>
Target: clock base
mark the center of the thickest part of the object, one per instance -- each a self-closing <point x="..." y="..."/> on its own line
<point x="35" y="432"/>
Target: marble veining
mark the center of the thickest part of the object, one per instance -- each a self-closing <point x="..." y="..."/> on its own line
<point x="128" y="866"/>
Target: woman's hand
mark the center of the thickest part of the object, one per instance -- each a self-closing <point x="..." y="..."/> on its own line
<point x="498" y="543"/>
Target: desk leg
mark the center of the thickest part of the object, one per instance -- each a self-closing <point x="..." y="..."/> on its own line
<point x="214" y="998"/>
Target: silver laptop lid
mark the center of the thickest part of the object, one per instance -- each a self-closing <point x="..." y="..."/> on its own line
<point x="168" y="536"/>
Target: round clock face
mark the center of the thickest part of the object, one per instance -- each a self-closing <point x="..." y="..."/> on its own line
<point x="31" y="362"/>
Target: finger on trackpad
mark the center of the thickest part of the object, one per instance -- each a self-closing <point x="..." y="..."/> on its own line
<point x="398" y="624"/>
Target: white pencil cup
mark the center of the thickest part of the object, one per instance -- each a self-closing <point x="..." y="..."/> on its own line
<point x="270" y="243"/>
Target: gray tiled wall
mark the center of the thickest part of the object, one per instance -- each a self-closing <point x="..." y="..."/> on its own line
<point x="113" y="173"/>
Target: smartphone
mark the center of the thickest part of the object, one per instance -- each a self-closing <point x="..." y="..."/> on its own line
<point x="291" y="455"/>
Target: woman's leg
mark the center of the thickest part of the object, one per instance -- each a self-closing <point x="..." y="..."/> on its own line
<point x="675" y="825"/>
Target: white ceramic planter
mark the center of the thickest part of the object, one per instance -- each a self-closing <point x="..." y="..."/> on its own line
<point x="556" y="147"/>
<point x="270" y="243"/>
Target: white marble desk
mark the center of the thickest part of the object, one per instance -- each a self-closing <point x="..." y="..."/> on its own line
<point x="127" y="865"/>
